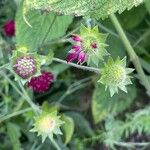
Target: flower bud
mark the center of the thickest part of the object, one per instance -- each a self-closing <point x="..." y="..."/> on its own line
<point x="9" y="28"/>
<point x="76" y="38"/>
<point x="41" y="83"/>
<point x="82" y="57"/>
<point x="115" y="75"/>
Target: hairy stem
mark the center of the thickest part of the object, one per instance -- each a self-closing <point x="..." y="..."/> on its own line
<point x="134" y="58"/>
<point x="14" y="114"/>
<point x="92" y="69"/>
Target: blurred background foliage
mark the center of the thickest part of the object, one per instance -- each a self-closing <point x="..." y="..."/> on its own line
<point x="95" y="120"/>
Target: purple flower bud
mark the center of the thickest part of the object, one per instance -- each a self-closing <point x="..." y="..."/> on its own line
<point x="9" y="28"/>
<point x="82" y="57"/>
<point x="76" y="38"/>
<point x="25" y="66"/>
<point x="94" y="45"/>
<point x="77" y="48"/>
<point x="72" y="55"/>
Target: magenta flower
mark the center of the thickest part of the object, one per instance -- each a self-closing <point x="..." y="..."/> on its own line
<point x="82" y="57"/>
<point x="76" y="38"/>
<point x="41" y="83"/>
<point x="9" y="28"/>
<point x="72" y="55"/>
<point x="25" y="66"/>
<point x="94" y="45"/>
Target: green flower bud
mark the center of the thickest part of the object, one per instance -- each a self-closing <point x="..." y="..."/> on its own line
<point x="47" y="124"/>
<point x="114" y="75"/>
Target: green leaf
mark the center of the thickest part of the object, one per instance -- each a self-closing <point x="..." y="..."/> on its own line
<point x="68" y="128"/>
<point x="103" y="105"/>
<point x="14" y="135"/>
<point x="96" y="8"/>
<point x="33" y="37"/>
<point x="82" y="126"/>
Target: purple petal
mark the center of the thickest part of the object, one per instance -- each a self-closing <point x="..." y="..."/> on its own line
<point x="72" y="56"/>
<point x="94" y="45"/>
<point x="76" y="38"/>
<point x="82" y="57"/>
<point x="77" y="48"/>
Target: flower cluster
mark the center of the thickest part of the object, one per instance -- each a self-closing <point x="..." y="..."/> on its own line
<point x="25" y="66"/>
<point x="41" y="83"/>
<point x="47" y="124"/>
<point x="88" y="46"/>
<point x="114" y="75"/>
<point x="9" y="28"/>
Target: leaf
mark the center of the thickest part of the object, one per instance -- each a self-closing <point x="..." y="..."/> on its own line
<point x="14" y="135"/>
<point x="68" y="128"/>
<point x="103" y="105"/>
<point x="81" y="124"/>
<point x="33" y="38"/>
<point x="92" y="8"/>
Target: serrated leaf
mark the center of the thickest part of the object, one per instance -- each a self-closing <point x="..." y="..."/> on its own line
<point x="33" y="37"/>
<point x="92" y="8"/>
<point x="13" y="132"/>
<point x="68" y="128"/>
<point x="103" y="104"/>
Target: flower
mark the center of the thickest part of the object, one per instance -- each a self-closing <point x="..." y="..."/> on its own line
<point x="25" y="66"/>
<point x="114" y="75"/>
<point x="47" y="124"/>
<point x="41" y="83"/>
<point x="88" y="46"/>
<point x="9" y="28"/>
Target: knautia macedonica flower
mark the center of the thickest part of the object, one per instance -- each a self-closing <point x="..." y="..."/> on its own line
<point x="47" y="124"/>
<point x="42" y="82"/>
<point x="88" y="46"/>
<point x="25" y="65"/>
<point x="114" y="75"/>
<point x="9" y="28"/>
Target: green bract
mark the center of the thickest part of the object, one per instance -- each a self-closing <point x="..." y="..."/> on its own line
<point x="114" y="75"/>
<point x="47" y="124"/>
<point x="93" y="43"/>
<point x="25" y="65"/>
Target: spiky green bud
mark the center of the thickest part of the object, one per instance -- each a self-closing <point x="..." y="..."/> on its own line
<point x="114" y="75"/>
<point x="47" y="124"/>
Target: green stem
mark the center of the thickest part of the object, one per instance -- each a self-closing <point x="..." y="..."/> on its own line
<point x="4" y="66"/>
<point x="14" y="114"/>
<point x="92" y="69"/>
<point x="28" y="99"/>
<point x="55" y="144"/>
<point x="133" y="56"/>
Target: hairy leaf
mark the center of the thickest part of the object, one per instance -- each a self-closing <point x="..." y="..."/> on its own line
<point x="45" y="27"/>
<point x="92" y="8"/>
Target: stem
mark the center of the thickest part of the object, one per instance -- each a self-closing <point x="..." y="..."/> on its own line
<point x="134" y="58"/>
<point x="92" y="69"/>
<point x="28" y="99"/>
<point x="4" y="66"/>
<point x="55" y="144"/>
<point x="14" y="114"/>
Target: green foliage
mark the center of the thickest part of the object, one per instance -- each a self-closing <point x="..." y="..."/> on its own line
<point x="103" y="105"/>
<point x="43" y="25"/>
<point x="68" y="128"/>
<point x="14" y="135"/>
<point x="96" y="8"/>
<point x="116" y="130"/>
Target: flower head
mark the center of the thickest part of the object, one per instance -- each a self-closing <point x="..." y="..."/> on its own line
<point x="47" y="124"/>
<point x="25" y="66"/>
<point x="9" y="28"/>
<point x="89" y="45"/>
<point x="42" y="82"/>
<point x="114" y="75"/>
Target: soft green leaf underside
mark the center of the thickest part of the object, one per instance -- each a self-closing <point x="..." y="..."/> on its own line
<point x="92" y="8"/>
<point x="33" y="37"/>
